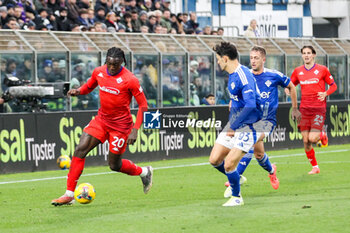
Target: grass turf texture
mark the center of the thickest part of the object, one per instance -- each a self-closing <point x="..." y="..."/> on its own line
<point x="189" y="199"/>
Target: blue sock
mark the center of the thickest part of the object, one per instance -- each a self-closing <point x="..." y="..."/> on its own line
<point x="221" y="167"/>
<point x="233" y="178"/>
<point x="243" y="164"/>
<point x="265" y="163"/>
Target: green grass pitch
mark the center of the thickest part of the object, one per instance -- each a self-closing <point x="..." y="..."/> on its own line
<point x="188" y="198"/>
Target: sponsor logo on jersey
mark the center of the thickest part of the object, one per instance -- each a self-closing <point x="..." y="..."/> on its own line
<point x="310" y="81"/>
<point x="234" y="97"/>
<point x="268" y="83"/>
<point x="233" y="85"/>
<point x="110" y="90"/>
<point x="119" y="80"/>
<point x="152" y="120"/>
<point x="100" y="75"/>
<point x="265" y="94"/>
<point x="301" y="73"/>
<point x="316" y="72"/>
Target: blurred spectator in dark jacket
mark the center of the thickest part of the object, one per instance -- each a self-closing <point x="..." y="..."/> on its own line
<point x="165" y="21"/>
<point x="127" y="18"/>
<point x="84" y="4"/>
<point x="43" y="20"/>
<point x="39" y="4"/>
<point x="91" y="16"/>
<point x="100" y="14"/>
<point x="151" y="23"/>
<point x="102" y="3"/>
<point x="135" y="22"/>
<point x="192" y="23"/>
<point x="19" y="15"/>
<point x="208" y="100"/>
<point x="143" y="18"/>
<point x="3" y="16"/>
<point x="53" y="5"/>
<point x="131" y="6"/>
<point x="83" y="17"/>
<point x="62" y="20"/>
<point x="25" y="69"/>
<point x="11" y="24"/>
<point x="73" y="12"/>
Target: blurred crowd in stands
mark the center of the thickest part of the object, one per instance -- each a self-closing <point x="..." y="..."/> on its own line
<point x="146" y="16"/>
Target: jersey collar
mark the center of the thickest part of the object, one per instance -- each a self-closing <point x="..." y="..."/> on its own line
<point x="121" y="68"/>
<point x="310" y="68"/>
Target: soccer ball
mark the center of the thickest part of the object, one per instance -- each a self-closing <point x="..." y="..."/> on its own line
<point x="84" y="193"/>
<point x="63" y="162"/>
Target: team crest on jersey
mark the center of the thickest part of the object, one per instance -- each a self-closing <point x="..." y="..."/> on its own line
<point x="119" y="80"/>
<point x="233" y="85"/>
<point x="268" y="83"/>
<point x="100" y="75"/>
<point x="301" y="73"/>
<point x="316" y="72"/>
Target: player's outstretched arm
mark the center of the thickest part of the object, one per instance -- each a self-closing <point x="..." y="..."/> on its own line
<point x="293" y="95"/>
<point x="142" y="102"/>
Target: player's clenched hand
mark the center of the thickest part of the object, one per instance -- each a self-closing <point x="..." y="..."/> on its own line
<point x="73" y="92"/>
<point x="296" y="115"/>
<point x="132" y="137"/>
<point x="322" y="95"/>
<point x="230" y="133"/>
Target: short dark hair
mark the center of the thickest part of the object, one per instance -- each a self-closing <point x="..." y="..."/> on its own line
<point x="209" y="95"/>
<point x="115" y="52"/>
<point x="308" y="47"/>
<point x="226" y="49"/>
<point x="260" y="49"/>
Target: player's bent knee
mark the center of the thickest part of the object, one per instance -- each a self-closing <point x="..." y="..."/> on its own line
<point x="115" y="167"/>
<point x="215" y="161"/>
<point x="313" y="139"/>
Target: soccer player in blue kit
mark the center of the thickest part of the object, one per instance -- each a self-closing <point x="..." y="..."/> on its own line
<point x="239" y="135"/>
<point x="268" y="82"/>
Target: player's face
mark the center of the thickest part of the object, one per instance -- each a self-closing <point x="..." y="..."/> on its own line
<point x="257" y="61"/>
<point x="308" y="56"/>
<point x="114" y="65"/>
<point x="222" y="61"/>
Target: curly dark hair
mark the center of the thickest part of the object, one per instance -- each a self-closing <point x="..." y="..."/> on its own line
<point x="226" y="49"/>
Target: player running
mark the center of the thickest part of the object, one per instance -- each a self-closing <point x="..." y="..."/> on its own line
<point x="239" y="135"/>
<point x="113" y="122"/>
<point x="268" y="82"/>
<point x="312" y="78"/>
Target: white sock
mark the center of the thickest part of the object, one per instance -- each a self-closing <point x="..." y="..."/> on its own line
<point x="315" y="166"/>
<point x="272" y="171"/>
<point x="144" y="172"/>
<point x="69" y="193"/>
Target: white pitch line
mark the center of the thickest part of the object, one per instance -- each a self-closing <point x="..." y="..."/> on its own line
<point x="175" y="166"/>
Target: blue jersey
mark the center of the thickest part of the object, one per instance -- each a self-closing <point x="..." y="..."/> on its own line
<point x="245" y="98"/>
<point x="268" y="82"/>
